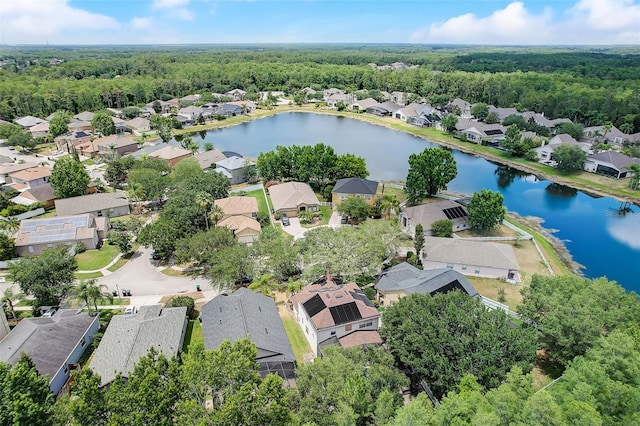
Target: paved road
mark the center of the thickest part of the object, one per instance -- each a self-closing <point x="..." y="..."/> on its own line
<point x="141" y="276"/>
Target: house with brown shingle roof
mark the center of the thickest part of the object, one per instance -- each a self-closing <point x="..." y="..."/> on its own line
<point x="31" y="177"/>
<point x="238" y="206"/>
<point x="331" y="313"/>
<point x="171" y="154"/>
<point x="208" y="159"/>
<point x="6" y="169"/>
<point x="292" y="197"/>
<point x="245" y="229"/>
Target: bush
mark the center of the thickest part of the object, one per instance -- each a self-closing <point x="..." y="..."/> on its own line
<point x="79" y="248"/>
<point x="263" y="219"/>
<point x="442" y="228"/>
<point x="370" y="292"/>
<point x="180" y="301"/>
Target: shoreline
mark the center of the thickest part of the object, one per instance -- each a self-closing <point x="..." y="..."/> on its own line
<point x="432" y="137"/>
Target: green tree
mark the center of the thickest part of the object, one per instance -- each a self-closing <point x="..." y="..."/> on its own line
<point x="22" y="139"/>
<point x="7" y="247"/>
<point x="278" y="254"/>
<point x="573" y="312"/>
<point x="59" y="124"/>
<point x="429" y="172"/>
<point x="480" y="110"/>
<point x="231" y="266"/>
<point x="216" y="213"/>
<point x="208" y="146"/>
<point x="47" y="277"/>
<point x="634" y="175"/>
<point x="120" y="238"/>
<point x="486" y="211"/>
<point x="574" y="129"/>
<point x="570" y="158"/>
<point x="103" y="124"/>
<point x="419" y="411"/>
<point x="418" y="239"/>
<point x="388" y="204"/>
<point x="182" y="301"/>
<point x="492" y="118"/>
<point x="449" y="122"/>
<point x="443" y="337"/>
<point x="25" y="397"/>
<point x="513" y="141"/>
<point x="442" y="228"/>
<point x="7" y="299"/>
<point x="350" y="166"/>
<point x="355" y="207"/>
<point x="205" y="202"/>
<point x="89" y="292"/>
<point x="69" y="178"/>
<point x="87" y="404"/>
<point x="152" y="183"/>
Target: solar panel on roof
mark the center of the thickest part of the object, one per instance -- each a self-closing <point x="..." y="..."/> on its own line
<point x="314" y="305"/>
<point x="345" y="313"/>
<point x="454" y="212"/>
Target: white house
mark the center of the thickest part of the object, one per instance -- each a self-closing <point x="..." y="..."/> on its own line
<point x="331" y="313"/>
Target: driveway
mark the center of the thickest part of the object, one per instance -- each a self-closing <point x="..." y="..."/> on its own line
<point x="140" y="275"/>
<point x="294" y="228"/>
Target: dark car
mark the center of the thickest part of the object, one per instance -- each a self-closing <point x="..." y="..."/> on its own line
<point x="344" y="219"/>
<point x="156" y="256"/>
<point x="285" y="220"/>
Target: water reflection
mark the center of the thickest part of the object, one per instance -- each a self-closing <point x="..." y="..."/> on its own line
<point x="559" y="190"/>
<point x="625" y="228"/>
<point x="506" y="175"/>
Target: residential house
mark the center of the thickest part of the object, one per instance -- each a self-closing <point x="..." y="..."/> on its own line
<point x="460" y="107"/>
<point x="246" y="230"/>
<point x="40" y="130"/>
<point x="107" y="204"/>
<point x="129" y="337"/>
<point x="293" y="197"/>
<point x="363" y="104"/>
<point x="4" y="325"/>
<point x="481" y="133"/>
<point x="36" y="235"/>
<point x="419" y="115"/>
<point x="399" y="98"/>
<point x="6" y="169"/>
<point x="28" y="121"/>
<point x="427" y="214"/>
<point x="246" y="107"/>
<point x="42" y="194"/>
<point x="138" y="125"/>
<point x="55" y="344"/>
<point x="121" y="125"/>
<point x="80" y="126"/>
<point x="332" y="313"/>
<point x="245" y="314"/>
<point x="84" y="116"/>
<point x="236" y="94"/>
<point x="354" y="187"/>
<point x="335" y="99"/>
<point x="386" y="108"/>
<point x="597" y="134"/>
<point x="332" y="91"/>
<point x="69" y="141"/>
<point x="236" y="167"/>
<point x="231" y="110"/>
<point x="503" y="113"/>
<point x="190" y="99"/>
<point x="116" y="112"/>
<point x="164" y="107"/>
<point x="191" y="113"/>
<point x="610" y="163"/>
<point x="238" y="206"/>
<point x="31" y="177"/>
<point x="208" y="159"/>
<point x="116" y="145"/>
<point x="171" y="154"/>
<point x="470" y="257"/>
<point x="545" y="152"/>
<point x="405" y="279"/>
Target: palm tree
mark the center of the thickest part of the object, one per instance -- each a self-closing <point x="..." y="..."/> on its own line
<point x="88" y="291"/>
<point x="216" y="213"/>
<point x="8" y="296"/>
<point x="389" y="203"/>
<point x="267" y="284"/>
<point x="9" y="223"/>
<point x="194" y="147"/>
<point x="204" y="201"/>
<point x="634" y="169"/>
<point x="626" y="128"/>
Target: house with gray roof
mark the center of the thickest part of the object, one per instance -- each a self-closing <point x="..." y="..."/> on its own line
<point x="404" y="279"/>
<point x="54" y="344"/>
<point x="292" y="197"/>
<point x="129" y="337"/>
<point x="610" y="163"/>
<point x="108" y="204"/>
<point x="42" y="194"/>
<point x="208" y="159"/>
<point x="470" y="257"/>
<point x="245" y="314"/>
<point x="354" y="187"/>
<point x="236" y="167"/>
<point x="363" y="104"/>
<point x="35" y="235"/>
<point x="84" y="116"/>
<point x="426" y="214"/>
<point x="28" y="121"/>
<point x="597" y="134"/>
<point x="545" y="152"/>
<point x="460" y="107"/>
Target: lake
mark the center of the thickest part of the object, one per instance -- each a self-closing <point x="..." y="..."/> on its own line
<point x="604" y="242"/>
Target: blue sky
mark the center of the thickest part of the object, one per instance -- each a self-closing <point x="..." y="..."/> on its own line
<point x="525" y="22"/>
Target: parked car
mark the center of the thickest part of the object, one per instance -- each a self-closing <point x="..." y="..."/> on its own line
<point x="131" y="309"/>
<point x="156" y="256"/>
<point x="285" y="220"/>
<point x="344" y="219"/>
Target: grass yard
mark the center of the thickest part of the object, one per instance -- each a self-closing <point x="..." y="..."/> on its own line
<point x="262" y="202"/>
<point x="88" y="275"/>
<point x="119" y="264"/>
<point x="298" y="342"/>
<point x="193" y="335"/>
<point x="488" y="287"/>
<point x="172" y="272"/>
<point x="91" y="260"/>
<point x="117" y="301"/>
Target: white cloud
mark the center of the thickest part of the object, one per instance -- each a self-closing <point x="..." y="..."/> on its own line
<point x="165" y="4"/>
<point x="141" y="23"/>
<point x="53" y="21"/>
<point x="586" y="22"/>
<point x="182" y="14"/>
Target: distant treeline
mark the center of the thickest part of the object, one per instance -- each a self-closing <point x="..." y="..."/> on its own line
<point x="589" y="86"/>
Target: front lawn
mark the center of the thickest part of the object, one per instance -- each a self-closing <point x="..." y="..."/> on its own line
<point x="92" y="260"/>
<point x="88" y="275"/>
<point x="298" y="342"/>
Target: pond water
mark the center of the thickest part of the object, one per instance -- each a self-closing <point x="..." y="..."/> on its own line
<point x="603" y="241"/>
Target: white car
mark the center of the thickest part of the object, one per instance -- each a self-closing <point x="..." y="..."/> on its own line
<point x="131" y="309"/>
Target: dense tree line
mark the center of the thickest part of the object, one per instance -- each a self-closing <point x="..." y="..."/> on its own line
<point x="585" y="86"/>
